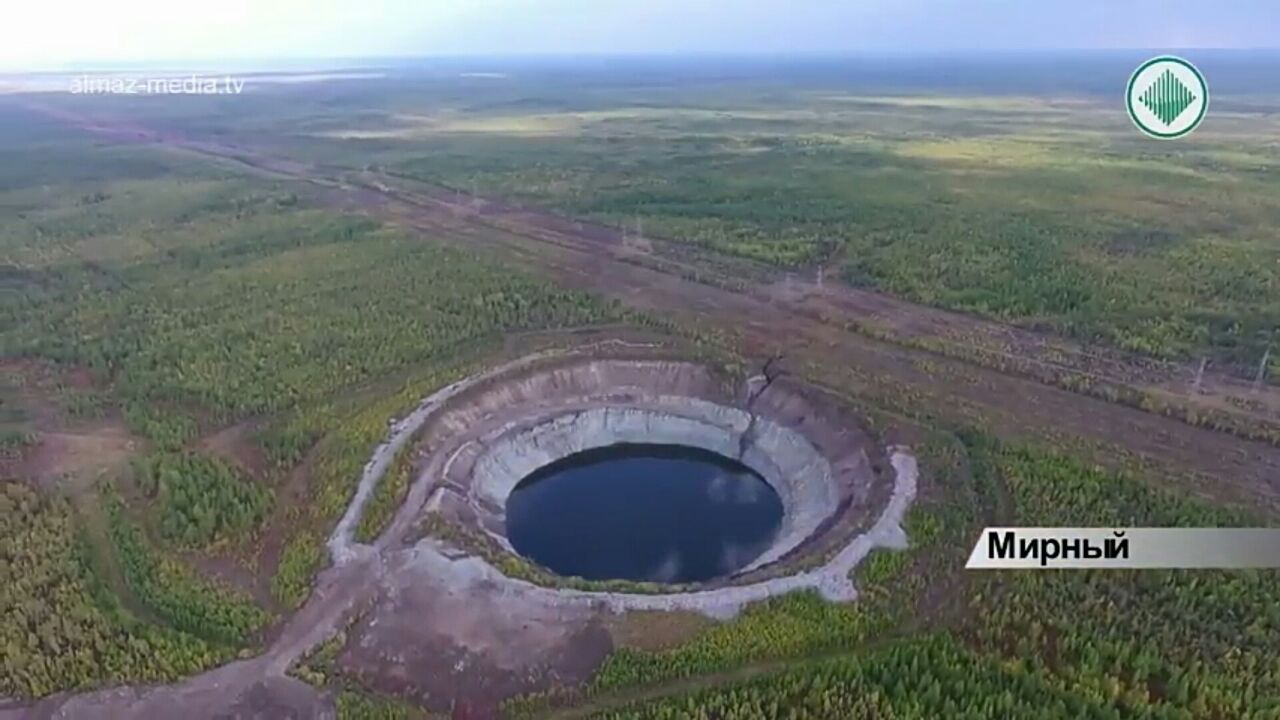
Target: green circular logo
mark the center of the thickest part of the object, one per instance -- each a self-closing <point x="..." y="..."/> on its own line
<point x="1167" y="97"/>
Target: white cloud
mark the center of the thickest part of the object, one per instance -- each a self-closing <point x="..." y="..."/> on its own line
<point x="667" y="570"/>
<point x="54" y="32"/>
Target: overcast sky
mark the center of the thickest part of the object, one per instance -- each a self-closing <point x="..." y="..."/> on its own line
<point x="45" y="33"/>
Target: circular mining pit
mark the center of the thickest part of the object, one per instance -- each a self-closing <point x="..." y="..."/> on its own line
<point x="512" y="423"/>
<point x="450" y="611"/>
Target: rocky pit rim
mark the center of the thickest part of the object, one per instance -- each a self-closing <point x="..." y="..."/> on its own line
<point x="480" y="437"/>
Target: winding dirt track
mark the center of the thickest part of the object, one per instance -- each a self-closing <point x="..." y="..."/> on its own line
<point x="805" y="322"/>
<point x="767" y="322"/>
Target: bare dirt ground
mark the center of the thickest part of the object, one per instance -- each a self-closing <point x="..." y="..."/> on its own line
<point x="82" y="455"/>
<point x="450" y="646"/>
<point x="71" y="452"/>
<point x="236" y="445"/>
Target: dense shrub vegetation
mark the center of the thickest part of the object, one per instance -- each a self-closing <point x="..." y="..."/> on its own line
<point x="1054" y="644"/>
<point x="264" y="328"/>
<point x="957" y="202"/>
<point x="921" y="679"/>
<point x="202" y="298"/>
<point x="358" y="705"/>
<point x="790" y="626"/>
<point x="1201" y="642"/>
<point x="350" y="432"/>
<point x="234" y="298"/>
<point x="174" y="593"/>
<point x="388" y="495"/>
<point x="200" y="499"/>
<point x="61" y="628"/>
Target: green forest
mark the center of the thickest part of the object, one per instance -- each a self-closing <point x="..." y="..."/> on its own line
<point x="63" y="628"/>
<point x="256" y="316"/>
<point x="1056" y="644"/>
<point x="244" y="345"/>
<point x="200" y="499"/>
<point x="197" y="298"/>
<point x="1166" y="252"/>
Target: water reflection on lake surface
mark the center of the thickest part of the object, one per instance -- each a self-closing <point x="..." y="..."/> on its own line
<point x="663" y="513"/>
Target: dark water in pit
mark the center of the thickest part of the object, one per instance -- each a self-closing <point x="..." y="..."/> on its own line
<point x="663" y="513"/>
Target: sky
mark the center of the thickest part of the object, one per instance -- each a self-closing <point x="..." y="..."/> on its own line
<point x="48" y="34"/>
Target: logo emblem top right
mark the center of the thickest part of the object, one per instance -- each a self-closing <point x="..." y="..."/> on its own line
<point x="1167" y="97"/>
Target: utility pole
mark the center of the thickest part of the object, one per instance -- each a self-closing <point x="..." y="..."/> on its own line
<point x="1262" y="370"/>
<point x="1200" y="375"/>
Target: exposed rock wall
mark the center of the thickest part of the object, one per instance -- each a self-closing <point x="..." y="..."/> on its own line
<point x="485" y="441"/>
<point x="800" y="476"/>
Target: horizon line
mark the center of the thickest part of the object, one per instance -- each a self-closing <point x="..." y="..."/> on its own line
<point x="363" y="61"/>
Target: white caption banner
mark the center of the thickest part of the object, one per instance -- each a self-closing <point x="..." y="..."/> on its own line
<point x="1084" y="548"/>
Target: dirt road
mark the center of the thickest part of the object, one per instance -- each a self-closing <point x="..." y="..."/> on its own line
<point x="768" y="320"/>
<point x="810" y="326"/>
<point x="1212" y="462"/>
